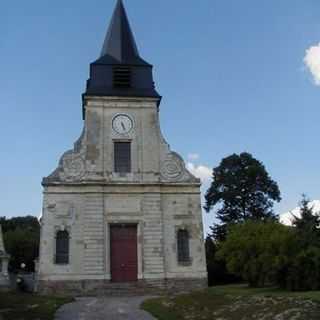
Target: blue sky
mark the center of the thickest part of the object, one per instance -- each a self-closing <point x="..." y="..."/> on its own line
<point x="232" y="76"/>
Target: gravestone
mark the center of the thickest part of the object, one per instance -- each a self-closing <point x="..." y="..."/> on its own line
<point x="4" y="260"/>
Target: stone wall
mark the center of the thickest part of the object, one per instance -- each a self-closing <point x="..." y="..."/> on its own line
<point x="105" y="287"/>
<point x="85" y="197"/>
<point x="88" y="212"/>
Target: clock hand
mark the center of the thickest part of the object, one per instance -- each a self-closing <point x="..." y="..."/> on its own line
<point x="123" y="126"/>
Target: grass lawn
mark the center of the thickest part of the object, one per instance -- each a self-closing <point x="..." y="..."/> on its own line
<point x="23" y="306"/>
<point x="237" y="302"/>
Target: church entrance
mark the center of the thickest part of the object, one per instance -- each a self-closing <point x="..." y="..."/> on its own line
<point x="124" y="260"/>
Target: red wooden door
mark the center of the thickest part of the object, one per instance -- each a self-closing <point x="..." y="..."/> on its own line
<point x="124" y="266"/>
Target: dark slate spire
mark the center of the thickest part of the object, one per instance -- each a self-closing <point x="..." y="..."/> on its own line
<point x="119" y="42"/>
<point x="120" y="71"/>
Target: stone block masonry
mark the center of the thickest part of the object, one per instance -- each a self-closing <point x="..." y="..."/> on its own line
<point x="117" y="201"/>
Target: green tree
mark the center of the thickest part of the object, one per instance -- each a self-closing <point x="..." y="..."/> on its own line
<point x="21" y="238"/>
<point x="304" y="270"/>
<point x="308" y="224"/>
<point x="217" y="271"/>
<point x="242" y="189"/>
<point x="259" y="252"/>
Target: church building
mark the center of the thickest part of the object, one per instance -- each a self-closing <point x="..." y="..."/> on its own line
<point x="121" y="209"/>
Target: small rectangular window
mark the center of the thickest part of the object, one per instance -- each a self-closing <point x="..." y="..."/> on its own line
<point x="122" y="157"/>
<point x="183" y="246"/>
<point x="62" y="247"/>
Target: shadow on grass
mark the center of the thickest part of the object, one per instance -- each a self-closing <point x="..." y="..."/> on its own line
<point x="26" y="306"/>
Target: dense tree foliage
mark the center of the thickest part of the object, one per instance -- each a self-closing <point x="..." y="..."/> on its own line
<point x="243" y="189"/>
<point x="258" y="251"/>
<point x="21" y="238"/>
<point x="217" y="271"/>
<point x="267" y="252"/>
<point x="304" y="271"/>
<point x="308" y="224"/>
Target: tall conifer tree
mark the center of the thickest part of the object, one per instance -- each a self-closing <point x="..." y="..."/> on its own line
<point x="241" y="189"/>
<point x="308" y="224"/>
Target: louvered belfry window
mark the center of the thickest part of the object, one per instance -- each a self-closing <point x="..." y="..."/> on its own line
<point x="62" y="247"/>
<point x="183" y="246"/>
<point x="122" y="157"/>
<point x="121" y="77"/>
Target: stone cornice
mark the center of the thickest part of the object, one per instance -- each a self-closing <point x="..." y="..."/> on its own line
<point x="124" y="188"/>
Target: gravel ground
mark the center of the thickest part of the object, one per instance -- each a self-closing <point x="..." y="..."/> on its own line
<point x="104" y="308"/>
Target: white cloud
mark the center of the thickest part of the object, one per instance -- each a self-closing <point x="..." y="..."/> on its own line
<point x="200" y="171"/>
<point x="193" y="156"/>
<point x="287" y="218"/>
<point x="312" y="61"/>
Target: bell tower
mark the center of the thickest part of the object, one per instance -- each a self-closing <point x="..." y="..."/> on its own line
<point x="120" y="71"/>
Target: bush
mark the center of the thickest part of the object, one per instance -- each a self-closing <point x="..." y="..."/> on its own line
<point x="21" y="237"/>
<point x="268" y="253"/>
<point x="304" y="271"/>
<point x="217" y="269"/>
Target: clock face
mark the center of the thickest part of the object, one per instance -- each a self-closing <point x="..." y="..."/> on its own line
<point x="122" y="124"/>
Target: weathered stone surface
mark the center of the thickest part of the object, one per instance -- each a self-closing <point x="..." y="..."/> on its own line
<point x="107" y="288"/>
<point x="85" y="197"/>
<point x="4" y="260"/>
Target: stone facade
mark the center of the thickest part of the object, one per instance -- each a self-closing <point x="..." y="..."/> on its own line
<point x="121" y="206"/>
<point x="4" y="260"/>
<point x="85" y="197"/>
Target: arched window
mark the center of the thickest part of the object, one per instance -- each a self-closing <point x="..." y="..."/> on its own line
<point x="183" y="246"/>
<point x="62" y="247"/>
